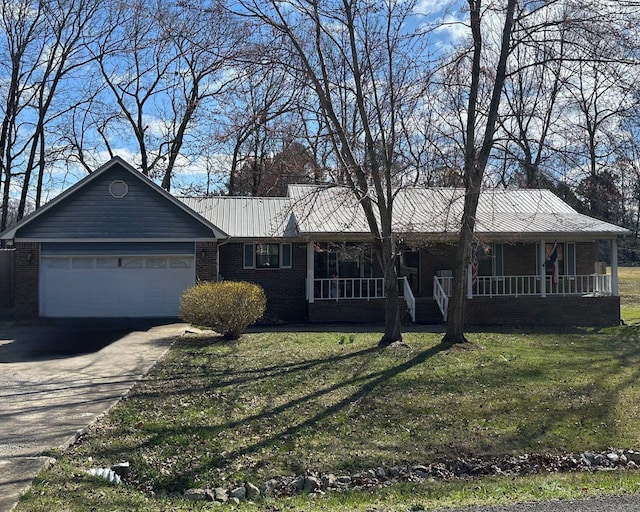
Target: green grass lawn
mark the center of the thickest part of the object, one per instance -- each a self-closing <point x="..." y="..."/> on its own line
<point x="218" y="413"/>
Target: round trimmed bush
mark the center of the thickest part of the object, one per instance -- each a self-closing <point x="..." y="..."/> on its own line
<point x="228" y="307"/>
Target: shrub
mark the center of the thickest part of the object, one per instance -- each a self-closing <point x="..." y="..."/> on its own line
<point x="228" y="307"/>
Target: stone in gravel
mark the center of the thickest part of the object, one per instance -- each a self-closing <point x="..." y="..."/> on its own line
<point x="269" y="486"/>
<point x="311" y="484"/>
<point x="613" y="457"/>
<point x="394" y="472"/>
<point x="329" y="480"/>
<point x="380" y="472"/>
<point x="298" y="482"/>
<point x="234" y="500"/>
<point x="198" y="494"/>
<point x="633" y="456"/>
<point x="239" y="493"/>
<point x="344" y="479"/>
<point x="252" y="490"/>
<point x="220" y="494"/>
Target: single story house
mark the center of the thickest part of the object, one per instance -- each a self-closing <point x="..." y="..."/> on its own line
<point x="117" y="245"/>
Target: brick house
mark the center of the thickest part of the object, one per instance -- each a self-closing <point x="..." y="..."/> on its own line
<point x="117" y="245"/>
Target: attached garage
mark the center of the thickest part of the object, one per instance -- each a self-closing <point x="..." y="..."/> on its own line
<point x="115" y="245"/>
<point x="114" y="280"/>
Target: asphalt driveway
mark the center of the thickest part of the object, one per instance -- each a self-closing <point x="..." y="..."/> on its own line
<point x="55" y="381"/>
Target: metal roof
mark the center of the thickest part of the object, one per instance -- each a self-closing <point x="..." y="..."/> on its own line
<point x="522" y="212"/>
<point x="247" y="217"/>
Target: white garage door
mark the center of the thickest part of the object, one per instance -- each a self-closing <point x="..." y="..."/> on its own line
<point x="113" y="286"/>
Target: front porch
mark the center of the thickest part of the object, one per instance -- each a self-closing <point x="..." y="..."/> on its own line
<point x="554" y="295"/>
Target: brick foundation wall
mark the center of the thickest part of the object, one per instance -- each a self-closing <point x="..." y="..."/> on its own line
<point x="285" y="288"/>
<point x="27" y="271"/>
<point x="347" y="311"/>
<point x="550" y="311"/>
<point x="206" y="261"/>
<point x="352" y="311"/>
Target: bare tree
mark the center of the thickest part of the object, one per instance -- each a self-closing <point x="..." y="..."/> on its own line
<point x="161" y="64"/>
<point x="44" y="41"/>
<point x="533" y="103"/>
<point x="256" y="113"/>
<point x="361" y="64"/>
<point x="478" y="145"/>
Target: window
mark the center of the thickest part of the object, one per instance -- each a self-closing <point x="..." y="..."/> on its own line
<point x="81" y="262"/>
<point x="156" y="262"/>
<point x="178" y="262"/>
<point x="549" y="250"/>
<point x="267" y="255"/>
<point x="264" y="256"/>
<point x="132" y="262"/>
<point x="498" y="262"/>
<point x="490" y="259"/>
<point x="348" y="259"/>
<point x="107" y="262"/>
<point x="566" y="255"/>
<point x="571" y="259"/>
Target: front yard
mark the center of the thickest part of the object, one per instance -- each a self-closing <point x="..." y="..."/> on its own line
<point x="275" y="404"/>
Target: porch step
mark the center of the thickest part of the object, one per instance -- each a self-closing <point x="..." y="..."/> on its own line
<point x="427" y="311"/>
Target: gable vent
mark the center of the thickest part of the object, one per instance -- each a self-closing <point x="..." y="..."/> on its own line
<point x="118" y="189"/>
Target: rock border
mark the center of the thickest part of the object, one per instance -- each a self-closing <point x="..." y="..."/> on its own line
<point x="319" y="483"/>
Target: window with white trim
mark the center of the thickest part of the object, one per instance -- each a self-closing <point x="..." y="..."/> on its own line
<point x="266" y="255"/>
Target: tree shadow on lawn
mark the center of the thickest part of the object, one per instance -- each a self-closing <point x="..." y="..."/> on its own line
<point x="525" y="436"/>
<point x="241" y="376"/>
<point x="365" y="382"/>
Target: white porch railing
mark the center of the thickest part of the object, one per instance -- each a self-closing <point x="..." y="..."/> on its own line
<point x="344" y="288"/>
<point x="441" y="293"/>
<point x="409" y="298"/>
<point x="515" y="286"/>
<point x="349" y="288"/>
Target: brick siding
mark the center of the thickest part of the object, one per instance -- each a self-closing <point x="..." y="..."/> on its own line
<point x="27" y="271"/>
<point x="285" y="288"/>
<point x="206" y="261"/>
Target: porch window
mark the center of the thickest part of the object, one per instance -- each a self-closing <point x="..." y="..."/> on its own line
<point x="266" y="255"/>
<point x="571" y="259"/>
<point x="490" y="260"/>
<point x="348" y="260"/>
<point x="566" y="253"/>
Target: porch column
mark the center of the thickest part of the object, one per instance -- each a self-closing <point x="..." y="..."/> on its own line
<point x="614" y="268"/>
<point x="310" y="270"/>
<point x="542" y="270"/>
<point x="469" y="282"/>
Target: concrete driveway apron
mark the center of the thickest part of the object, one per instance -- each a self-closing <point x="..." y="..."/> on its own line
<point x="55" y="381"/>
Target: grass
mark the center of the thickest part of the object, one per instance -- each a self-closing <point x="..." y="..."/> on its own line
<point x="280" y="403"/>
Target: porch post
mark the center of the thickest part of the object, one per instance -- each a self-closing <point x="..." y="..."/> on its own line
<point x="614" y="267"/>
<point x="310" y="270"/>
<point x="469" y="282"/>
<point x="543" y="274"/>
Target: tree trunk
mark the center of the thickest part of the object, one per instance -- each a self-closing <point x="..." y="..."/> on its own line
<point x="392" y="330"/>
<point x="475" y="162"/>
<point x="456" y="312"/>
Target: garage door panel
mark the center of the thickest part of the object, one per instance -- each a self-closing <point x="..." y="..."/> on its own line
<point x="77" y="289"/>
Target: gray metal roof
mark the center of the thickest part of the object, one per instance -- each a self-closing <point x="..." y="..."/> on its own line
<point x="521" y="212"/>
<point x="247" y="217"/>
